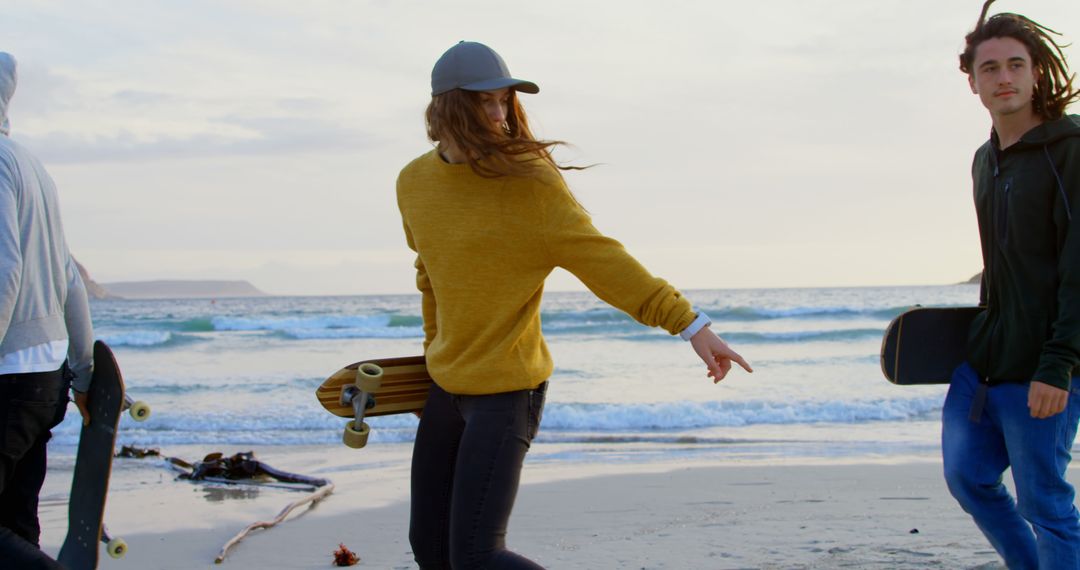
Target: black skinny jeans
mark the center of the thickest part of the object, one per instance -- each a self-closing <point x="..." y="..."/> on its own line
<point x="465" y="472"/>
<point x="30" y="406"/>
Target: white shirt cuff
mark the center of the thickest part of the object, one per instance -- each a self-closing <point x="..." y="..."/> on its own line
<point x="699" y="323"/>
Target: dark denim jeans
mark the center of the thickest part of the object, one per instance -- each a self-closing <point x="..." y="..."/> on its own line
<point x="30" y="406"/>
<point x="465" y="472"/>
<point x="1041" y="529"/>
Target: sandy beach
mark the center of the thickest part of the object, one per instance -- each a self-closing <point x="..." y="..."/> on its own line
<point x="870" y="513"/>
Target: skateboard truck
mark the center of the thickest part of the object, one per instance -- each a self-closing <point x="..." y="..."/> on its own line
<point x="360" y="395"/>
<point x="138" y="409"/>
<point x="116" y="547"/>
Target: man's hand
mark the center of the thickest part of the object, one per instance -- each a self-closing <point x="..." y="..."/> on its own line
<point x="717" y="355"/>
<point x="1045" y="400"/>
<point x="80" y="402"/>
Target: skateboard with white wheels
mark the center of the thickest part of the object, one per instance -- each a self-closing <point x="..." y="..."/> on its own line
<point x="93" y="464"/>
<point x="378" y="387"/>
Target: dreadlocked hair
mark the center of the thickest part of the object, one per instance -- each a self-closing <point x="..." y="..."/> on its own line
<point x="1053" y="87"/>
<point x="457" y="117"/>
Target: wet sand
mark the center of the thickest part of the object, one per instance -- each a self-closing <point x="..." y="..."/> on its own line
<point x="893" y="513"/>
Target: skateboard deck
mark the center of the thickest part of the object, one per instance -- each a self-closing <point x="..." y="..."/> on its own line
<point x="924" y="345"/>
<point x="93" y="465"/>
<point x="377" y="387"/>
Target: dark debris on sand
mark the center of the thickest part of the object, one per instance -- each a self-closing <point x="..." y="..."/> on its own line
<point x="345" y="557"/>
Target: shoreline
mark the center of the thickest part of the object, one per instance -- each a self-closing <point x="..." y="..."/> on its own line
<point x="771" y="513"/>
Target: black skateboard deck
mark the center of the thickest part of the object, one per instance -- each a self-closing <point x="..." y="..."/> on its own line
<point x="925" y="344"/>
<point x="93" y="464"/>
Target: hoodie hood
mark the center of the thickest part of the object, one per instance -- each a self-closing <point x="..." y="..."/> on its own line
<point x="8" y="78"/>
<point x="1053" y="131"/>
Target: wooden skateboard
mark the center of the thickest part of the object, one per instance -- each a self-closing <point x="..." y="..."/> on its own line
<point x="93" y="465"/>
<point x="924" y="345"/>
<point x="378" y="387"/>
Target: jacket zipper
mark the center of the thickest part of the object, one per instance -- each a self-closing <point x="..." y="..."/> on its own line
<point x="1003" y="215"/>
<point x="990" y="289"/>
<point x="998" y="225"/>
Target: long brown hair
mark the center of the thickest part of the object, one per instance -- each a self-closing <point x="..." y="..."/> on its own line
<point x="1053" y="89"/>
<point x="457" y="117"/>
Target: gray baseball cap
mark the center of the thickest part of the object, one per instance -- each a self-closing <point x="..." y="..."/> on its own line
<point x="473" y="66"/>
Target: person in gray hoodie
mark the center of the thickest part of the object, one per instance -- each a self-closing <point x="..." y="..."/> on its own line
<point x="46" y="337"/>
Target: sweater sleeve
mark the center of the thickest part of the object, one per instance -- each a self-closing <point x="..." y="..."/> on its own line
<point x="80" y="330"/>
<point x="10" y="250"/>
<point x="604" y="265"/>
<point x="1061" y="353"/>
<point x="427" y="294"/>
<point x="423" y="282"/>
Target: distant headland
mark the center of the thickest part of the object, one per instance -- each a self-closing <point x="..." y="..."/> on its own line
<point x="179" y="289"/>
<point x="167" y="289"/>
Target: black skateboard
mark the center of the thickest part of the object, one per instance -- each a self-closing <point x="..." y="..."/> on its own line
<point x="93" y="465"/>
<point x="924" y="345"/>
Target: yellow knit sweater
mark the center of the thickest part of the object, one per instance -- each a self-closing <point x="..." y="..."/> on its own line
<point x="484" y="247"/>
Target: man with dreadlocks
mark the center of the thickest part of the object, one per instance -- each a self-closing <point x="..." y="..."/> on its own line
<point x="1015" y="403"/>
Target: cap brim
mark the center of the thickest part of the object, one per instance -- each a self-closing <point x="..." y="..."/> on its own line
<point x="500" y="83"/>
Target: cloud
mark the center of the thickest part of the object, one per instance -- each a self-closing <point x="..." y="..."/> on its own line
<point x="764" y="119"/>
<point x="256" y="136"/>
<point x="141" y="98"/>
<point x="40" y="90"/>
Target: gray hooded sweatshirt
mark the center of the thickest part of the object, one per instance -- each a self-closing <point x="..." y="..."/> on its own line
<point x="42" y="296"/>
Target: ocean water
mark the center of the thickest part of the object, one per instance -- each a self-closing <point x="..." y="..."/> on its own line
<point x="243" y="372"/>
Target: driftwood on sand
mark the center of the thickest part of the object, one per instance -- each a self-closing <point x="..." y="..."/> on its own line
<point x="312" y="498"/>
<point x="241" y="469"/>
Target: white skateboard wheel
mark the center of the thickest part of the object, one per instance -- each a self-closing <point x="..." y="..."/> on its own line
<point x="369" y="377"/>
<point x="356" y="438"/>
<point x="140" y="411"/>
<point x="116" y="548"/>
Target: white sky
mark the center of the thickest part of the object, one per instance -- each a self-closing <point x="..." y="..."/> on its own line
<point x="774" y="143"/>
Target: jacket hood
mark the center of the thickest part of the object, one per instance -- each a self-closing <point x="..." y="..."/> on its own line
<point x="8" y="78"/>
<point x="1053" y="131"/>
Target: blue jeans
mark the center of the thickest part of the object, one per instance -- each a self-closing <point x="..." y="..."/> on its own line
<point x="1041" y="529"/>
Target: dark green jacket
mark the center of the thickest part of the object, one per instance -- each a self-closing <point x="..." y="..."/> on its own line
<point x="1028" y="202"/>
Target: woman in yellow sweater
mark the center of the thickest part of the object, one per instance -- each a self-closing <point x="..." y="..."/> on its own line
<point x="489" y="216"/>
